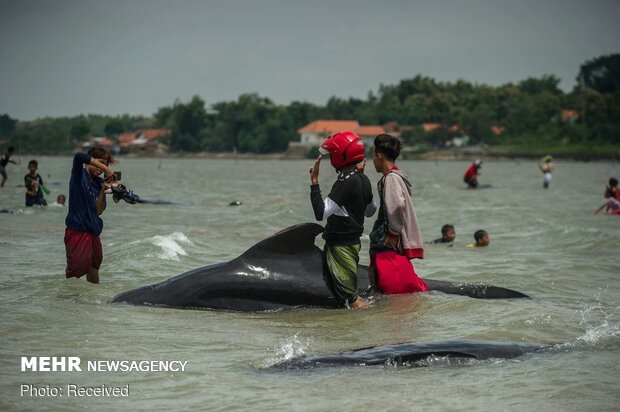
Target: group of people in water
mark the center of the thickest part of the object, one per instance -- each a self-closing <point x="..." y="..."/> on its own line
<point x="471" y="174"/>
<point x="448" y="235"/>
<point x="395" y="238"/>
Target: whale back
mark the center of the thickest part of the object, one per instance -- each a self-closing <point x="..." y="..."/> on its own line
<point x="407" y="354"/>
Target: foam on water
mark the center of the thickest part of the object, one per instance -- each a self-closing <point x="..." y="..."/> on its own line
<point x="170" y="245"/>
<point x="291" y="348"/>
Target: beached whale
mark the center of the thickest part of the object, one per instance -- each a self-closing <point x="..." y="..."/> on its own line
<point x="412" y="354"/>
<point x="281" y="272"/>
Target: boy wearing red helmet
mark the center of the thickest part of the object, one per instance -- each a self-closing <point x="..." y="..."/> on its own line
<point x="349" y="201"/>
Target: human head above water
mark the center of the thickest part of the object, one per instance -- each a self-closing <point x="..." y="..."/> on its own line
<point x="388" y="145"/>
<point x="10" y="150"/>
<point x="33" y="165"/>
<point x="481" y="237"/>
<point x="61" y="199"/>
<point x="343" y="148"/>
<point x="448" y="233"/>
<point x="613" y="182"/>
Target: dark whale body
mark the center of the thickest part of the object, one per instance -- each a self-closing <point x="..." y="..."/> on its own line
<point x="281" y="272"/>
<point x="409" y="353"/>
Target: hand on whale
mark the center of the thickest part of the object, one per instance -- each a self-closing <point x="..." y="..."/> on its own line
<point x="281" y="272"/>
<point x="408" y="354"/>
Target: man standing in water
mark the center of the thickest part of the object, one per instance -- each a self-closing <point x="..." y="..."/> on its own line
<point x="546" y="167"/>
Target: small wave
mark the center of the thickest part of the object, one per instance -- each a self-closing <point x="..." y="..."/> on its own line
<point x="171" y="245"/>
<point x="598" y="336"/>
<point x="293" y="347"/>
<point x="600" y="320"/>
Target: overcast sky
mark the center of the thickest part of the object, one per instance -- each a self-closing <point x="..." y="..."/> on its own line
<point x="67" y="57"/>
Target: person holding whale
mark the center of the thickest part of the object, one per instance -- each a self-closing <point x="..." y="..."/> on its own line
<point x="87" y="201"/>
<point x="348" y="202"/>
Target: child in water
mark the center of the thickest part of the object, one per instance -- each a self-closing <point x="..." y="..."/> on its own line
<point x="348" y="202"/>
<point x="612" y="189"/>
<point x="482" y="239"/>
<point x="34" y="183"/>
<point x="60" y="201"/>
<point x="613" y="206"/>
<point x="448" y="234"/>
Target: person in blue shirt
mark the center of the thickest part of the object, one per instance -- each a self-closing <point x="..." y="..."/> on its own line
<point x="86" y="203"/>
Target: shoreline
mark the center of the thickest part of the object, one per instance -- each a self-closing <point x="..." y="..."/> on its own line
<point x="452" y="154"/>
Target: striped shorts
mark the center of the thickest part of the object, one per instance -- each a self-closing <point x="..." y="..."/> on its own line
<point x="342" y="263"/>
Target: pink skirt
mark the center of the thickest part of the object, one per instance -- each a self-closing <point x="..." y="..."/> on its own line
<point x="395" y="274"/>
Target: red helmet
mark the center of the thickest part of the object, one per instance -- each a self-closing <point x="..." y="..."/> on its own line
<point x="344" y="148"/>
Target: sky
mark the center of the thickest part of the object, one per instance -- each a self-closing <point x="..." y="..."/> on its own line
<point x="113" y="57"/>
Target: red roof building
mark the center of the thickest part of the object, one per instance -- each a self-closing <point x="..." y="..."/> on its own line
<point x="570" y="115"/>
<point x="143" y="139"/>
<point x="315" y="132"/>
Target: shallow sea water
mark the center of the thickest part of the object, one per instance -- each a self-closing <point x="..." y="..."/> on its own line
<point x="546" y="243"/>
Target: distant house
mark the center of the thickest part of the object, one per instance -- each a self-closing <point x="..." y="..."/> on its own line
<point x="126" y="139"/>
<point x="143" y="140"/>
<point x="108" y="144"/>
<point x="368" y="133"/>
<point x="569" y="115"/>
<point x="430" y="127"/>
<point x="497" y="130"/>
<point x="314" y="133"/>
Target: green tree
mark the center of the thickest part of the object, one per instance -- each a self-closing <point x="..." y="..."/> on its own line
<point x="601" y="74"/>
<point x="114" y="127"/>
<point x="547" y="83"/>
<point x="7" y="125"/>
<point x="80" y="129"/>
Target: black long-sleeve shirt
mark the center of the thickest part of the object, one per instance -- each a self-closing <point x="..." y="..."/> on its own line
<point x="344" y="208"/>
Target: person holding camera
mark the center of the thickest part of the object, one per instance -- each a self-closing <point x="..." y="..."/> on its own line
<point x="87" y="202"/>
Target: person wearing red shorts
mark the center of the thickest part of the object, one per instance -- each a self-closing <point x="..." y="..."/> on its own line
<point x="86" y="202"/>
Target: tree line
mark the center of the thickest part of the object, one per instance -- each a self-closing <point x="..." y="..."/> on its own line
<point x="529" y="113"/>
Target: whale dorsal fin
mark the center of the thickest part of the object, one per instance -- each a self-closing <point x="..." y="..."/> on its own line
<point x="292" y="240"/>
